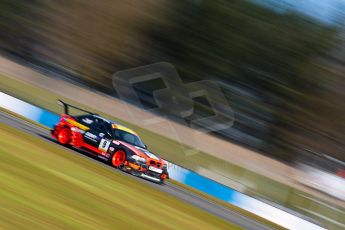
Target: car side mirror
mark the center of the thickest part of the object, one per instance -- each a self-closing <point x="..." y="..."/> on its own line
<point x="145" y="146"/>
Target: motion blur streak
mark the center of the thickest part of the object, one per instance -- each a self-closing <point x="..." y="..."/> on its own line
<point x="279" y="65"/>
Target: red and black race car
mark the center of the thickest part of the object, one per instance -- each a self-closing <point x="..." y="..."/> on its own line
<point x="110" y="141"/>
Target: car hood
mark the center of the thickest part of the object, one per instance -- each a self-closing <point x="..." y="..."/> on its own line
<point x="142" y="152"/>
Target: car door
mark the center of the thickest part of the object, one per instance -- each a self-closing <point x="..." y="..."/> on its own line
<point x="91" y="136"/>
<point x="99" y="135"/>
<point x="105" y="135"/>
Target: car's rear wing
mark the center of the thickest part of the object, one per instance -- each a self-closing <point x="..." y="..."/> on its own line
<point x="66" y="107"/>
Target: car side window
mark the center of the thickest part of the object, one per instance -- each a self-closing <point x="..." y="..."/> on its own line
<point x="103" y="127"/>
<point x="107" y="130"/>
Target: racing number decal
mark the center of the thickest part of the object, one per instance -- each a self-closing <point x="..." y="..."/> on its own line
<point x="104" y="145"/>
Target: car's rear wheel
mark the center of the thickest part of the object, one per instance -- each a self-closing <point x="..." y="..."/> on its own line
<point x="118" y="158"/>
<point x="64" y="136"/>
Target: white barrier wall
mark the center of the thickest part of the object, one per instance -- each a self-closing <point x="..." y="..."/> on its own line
<point x="323" y="181"/>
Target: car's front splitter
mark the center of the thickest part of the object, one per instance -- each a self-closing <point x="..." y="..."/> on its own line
<point x="136" y="171"/>
<point x="150" y="177"/>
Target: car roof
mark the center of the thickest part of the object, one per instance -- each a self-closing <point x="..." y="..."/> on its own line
<point x="116" y="125"/>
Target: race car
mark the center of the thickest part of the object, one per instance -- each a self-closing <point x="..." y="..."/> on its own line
<point x="114" y="143"/>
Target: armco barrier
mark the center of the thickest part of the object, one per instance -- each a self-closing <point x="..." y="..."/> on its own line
<point x="178" y="173"/>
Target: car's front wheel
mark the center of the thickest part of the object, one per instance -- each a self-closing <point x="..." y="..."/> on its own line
<point x="118" y="158"/>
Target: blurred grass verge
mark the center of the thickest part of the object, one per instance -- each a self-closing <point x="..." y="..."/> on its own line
<point x="44" y="186"/>
<point x="249" y="182"/>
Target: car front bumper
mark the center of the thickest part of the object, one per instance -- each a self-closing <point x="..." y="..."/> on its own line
<point x="141" y="170"/>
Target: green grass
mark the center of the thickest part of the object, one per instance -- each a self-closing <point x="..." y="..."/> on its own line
<point x="256" y="185"/>
<point x="44" y="186"/>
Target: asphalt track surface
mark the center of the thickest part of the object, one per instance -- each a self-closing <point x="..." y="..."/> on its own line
<point x="183" y="194"/>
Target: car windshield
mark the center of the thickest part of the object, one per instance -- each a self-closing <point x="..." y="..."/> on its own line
<point x="128" y="137"/>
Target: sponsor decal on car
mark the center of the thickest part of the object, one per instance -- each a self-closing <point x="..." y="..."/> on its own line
<point x="148" y="153"/>
<point x="91" y="136"/>
<point x="104" y="145"/>
<point x="87" y="121"/>
<point x="77" y="130"/>
<point x="107" y="155"/>
<point x="116" y="142"/>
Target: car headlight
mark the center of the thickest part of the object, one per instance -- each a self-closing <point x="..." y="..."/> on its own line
<point x="138" y="158"/>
